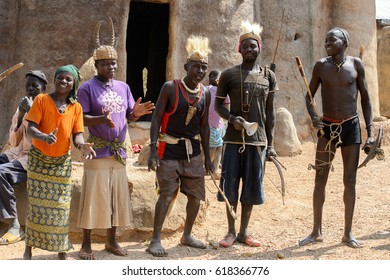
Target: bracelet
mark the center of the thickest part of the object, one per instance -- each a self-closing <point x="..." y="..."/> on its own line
<point x="230" y="117"/>
<point x="151" y="144"/>
<point x="369" y="125"/>
<point x="270" y="147"/>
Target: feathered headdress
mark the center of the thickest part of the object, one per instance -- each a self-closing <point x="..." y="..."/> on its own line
<point x="198" y="48"/>
<point x="250" y="30"/>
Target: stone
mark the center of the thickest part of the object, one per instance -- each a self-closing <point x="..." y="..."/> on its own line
<point x="286" y="140"/>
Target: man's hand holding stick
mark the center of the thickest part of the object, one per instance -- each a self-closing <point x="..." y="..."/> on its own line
<point x="300" y="67"/>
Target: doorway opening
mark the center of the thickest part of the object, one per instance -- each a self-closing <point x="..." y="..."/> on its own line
<point x="147" y="49"/>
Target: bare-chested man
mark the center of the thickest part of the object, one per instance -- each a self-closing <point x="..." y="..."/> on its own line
<point x="341" y="78"/>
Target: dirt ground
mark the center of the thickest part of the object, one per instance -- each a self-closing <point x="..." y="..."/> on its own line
<point x="277" y="226"/>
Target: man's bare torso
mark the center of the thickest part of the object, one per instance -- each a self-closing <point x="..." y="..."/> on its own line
<point x="339" y="90"/>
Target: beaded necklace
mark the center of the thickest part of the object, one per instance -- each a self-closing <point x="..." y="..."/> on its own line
<point x="339" y="65"/>
<point x="198" y="93"/>
<point x="193" y="91"/>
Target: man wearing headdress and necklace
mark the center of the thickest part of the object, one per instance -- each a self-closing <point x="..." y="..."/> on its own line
<point x="107" y="107"/>
<point x="341" y="78"/>
<point x="181" y="116"/>
<point x="251" y="90"/>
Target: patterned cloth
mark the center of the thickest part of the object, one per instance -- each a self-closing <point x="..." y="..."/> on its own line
<point x="215" y="137"/>
<point x="49" y="188"/>
<point x="115" y="146"/>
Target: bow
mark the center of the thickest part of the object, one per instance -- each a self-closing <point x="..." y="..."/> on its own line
<point x="375" y="151"/>
<point x="279" y="167"/>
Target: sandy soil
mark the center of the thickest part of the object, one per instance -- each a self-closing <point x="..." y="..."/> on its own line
<point x="277" y="226"/>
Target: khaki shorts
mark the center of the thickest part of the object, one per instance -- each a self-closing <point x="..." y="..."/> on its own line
<point x="188" y="176"/>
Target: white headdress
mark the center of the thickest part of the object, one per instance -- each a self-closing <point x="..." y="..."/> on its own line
<point x="250" y="30"/>
<point x="198" y="48"/>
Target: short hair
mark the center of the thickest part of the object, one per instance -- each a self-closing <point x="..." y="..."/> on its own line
<point x="214" y="74"/>
<point x="345" y="34"/>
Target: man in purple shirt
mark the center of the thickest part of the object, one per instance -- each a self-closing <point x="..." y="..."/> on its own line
<point x="105" y="198"/>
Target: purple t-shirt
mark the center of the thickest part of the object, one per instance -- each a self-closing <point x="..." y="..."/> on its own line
<point x="97" y="97"/>
<point x="214" y="118"/>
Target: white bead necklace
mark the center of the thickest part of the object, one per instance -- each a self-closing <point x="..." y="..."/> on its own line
<point x="193" y="91"/>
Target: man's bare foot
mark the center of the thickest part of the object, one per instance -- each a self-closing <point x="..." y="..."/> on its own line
<point x="310" y="240"/>
<point x="192" y="242"/>
<point x="156" y="249"/>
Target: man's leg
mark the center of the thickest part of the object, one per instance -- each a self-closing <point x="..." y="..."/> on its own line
<point x="246" y="212"/>
<point x="350" y="156"/>
<point x="10" y="173"/>
<point x="217" y="159"/>
<point x="155" y="248"/>
<point x="192" y="210"/>
<point x="324" y="160"/>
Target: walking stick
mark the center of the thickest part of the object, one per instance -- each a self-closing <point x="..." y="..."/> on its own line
<point x="298" y="60"/>
<point x="10" y="70"/>
<point x="273" y="65"/>
<point x="231" y="210"/>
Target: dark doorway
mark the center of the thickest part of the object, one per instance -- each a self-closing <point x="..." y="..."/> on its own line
<point x="147" y="49"/>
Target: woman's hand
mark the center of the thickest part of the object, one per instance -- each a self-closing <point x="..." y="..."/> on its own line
<point x="51" y="137"/>
<point x="87" y="150"/>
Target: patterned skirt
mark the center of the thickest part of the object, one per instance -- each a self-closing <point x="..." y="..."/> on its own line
<point x="49" y="186"/>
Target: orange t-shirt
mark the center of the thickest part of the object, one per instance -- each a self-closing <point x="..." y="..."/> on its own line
<point x="46" y="115"/>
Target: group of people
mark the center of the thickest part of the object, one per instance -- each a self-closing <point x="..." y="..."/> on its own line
<point x="185" y="143"/>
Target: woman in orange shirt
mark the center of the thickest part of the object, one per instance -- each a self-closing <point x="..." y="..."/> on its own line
<point x="53" y="119"/>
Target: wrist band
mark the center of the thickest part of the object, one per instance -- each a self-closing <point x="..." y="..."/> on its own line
<point x="153" y="143"/>
<point x="230" y="117"/>
<point x="369" y="125"/>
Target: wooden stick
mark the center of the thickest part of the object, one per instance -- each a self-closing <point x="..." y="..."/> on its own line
<point x="273" y="65"/>
<point x="10" y="70"/>
<point x="231" y="210"/>
<point x="300" y="67"/>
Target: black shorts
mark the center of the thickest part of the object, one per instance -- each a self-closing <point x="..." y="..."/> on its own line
<point x="348" y="132"/>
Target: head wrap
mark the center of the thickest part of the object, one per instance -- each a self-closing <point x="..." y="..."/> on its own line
<point x="72" y="97"/>
<point x="37" y="74"/>
<point x="105" y="52"/>
<point x="198" y="48"/>
<point x="250" y="31"/>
